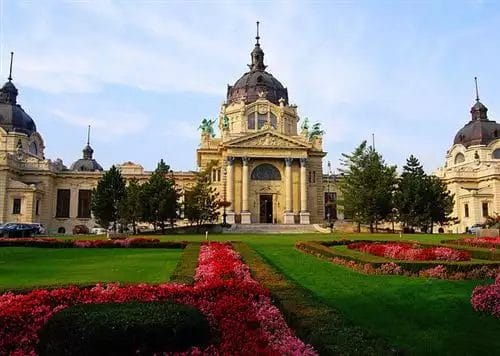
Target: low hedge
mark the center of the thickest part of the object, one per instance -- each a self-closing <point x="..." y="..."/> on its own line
<point x="186" y="267"/>
<point x="313" y="321"/>
<point x="136" y="328"/>
<point x="133" y="242"/>
<point x="482" y="251"/>
<point x="322" y="249"/>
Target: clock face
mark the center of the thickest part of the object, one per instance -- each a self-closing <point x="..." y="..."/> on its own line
<point x="33" y="149"/>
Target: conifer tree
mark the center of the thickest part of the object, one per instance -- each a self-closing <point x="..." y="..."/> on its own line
<point x="160" y="197"/>
<point x="421" y="200"/>
<point x="106" y="197"/>
<point x="411" y="194"/>
<point x="367" y="186"/>
<point x="130" y="209"/>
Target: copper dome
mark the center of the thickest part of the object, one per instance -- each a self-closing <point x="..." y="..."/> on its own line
<point x="12" y="116"/>
<point x="480" y="130"/>
<point x="257" y="82"/>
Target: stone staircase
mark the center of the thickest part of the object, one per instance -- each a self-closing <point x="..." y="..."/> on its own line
<point x="272" y="229"/>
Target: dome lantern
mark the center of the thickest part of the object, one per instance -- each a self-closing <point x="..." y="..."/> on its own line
<point x="257" y="83"/>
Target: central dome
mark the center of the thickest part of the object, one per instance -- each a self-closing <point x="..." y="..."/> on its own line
<point x="257" y="83"/>
<point x="479" y="130"/>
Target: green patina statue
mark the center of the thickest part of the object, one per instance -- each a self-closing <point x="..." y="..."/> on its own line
<point x="305" y="124"/>
<point x="207" y="127"/>
<point x="316" y="131"/>
<point x="225" y="123"/>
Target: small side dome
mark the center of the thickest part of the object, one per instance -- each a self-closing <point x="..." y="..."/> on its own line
<point x="87" y="163"/>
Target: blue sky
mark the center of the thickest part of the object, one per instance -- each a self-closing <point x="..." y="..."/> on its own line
<point x="144" y="73"/>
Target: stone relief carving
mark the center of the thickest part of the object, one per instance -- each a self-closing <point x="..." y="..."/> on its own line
<point x="267" y="140"/>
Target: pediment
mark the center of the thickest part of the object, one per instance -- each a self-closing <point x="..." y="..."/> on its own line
<point x="268" y="139"/>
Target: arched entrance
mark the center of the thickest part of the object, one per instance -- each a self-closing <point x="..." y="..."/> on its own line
<point x="266" y="172"/>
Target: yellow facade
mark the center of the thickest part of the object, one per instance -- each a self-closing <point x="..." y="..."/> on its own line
<point x="274" y="145"/>
<point x="266" y="167"/>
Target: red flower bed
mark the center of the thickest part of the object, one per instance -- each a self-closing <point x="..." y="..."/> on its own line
<point x="487" y="298"/>
<point x="480" y="241"/>
<point x="139" y="242"/>
<point x="405" y="251"/>
<point x="238" y="309"/>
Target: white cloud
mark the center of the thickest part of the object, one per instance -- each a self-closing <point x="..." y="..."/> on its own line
<point x="107" y="124"/>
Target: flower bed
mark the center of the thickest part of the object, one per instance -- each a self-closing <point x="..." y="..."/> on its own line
<point x="487" y="298"/>
<point x="238" y="309"/>
<point x="487" y="242"/>
<point x="447" y="270"/>
<point x="138" y="242"/>
<point x="409" y="252"/>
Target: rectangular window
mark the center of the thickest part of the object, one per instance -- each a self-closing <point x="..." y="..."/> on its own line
<point x="485" y="210"/>
<point x="330" y="206"/>
<point x="466" y="210"/>
<point x="261" y="120"/>
<point x="84" y="203"/>
<point x="37" y="207"/>
<point x="16" y="206"/>
<point x="314" y="176"/>
<point x="63" y="200"/>
<point x="251" y="121"/>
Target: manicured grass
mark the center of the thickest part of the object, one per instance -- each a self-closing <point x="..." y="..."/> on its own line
<point x="314" y="322"/>
<point x="25" y="267"/>
<point x="421" y="316"/>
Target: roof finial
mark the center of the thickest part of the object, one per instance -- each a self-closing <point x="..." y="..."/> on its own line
<point x="477" y="91"/>
<point x="10" y="72"/>
<point x="88" y="136"/>
<point x="257" y="37"/>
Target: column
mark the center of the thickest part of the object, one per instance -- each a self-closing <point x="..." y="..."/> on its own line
<point x="304" y="214"/>
<point x="288" y="213"/>
<point x="245" y="214"/>
<point x="230" y="190"/>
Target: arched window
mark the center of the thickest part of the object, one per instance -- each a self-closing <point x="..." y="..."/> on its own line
<point x="496" y="154"/>
<point x="459" y="158"/>
<point x="33" y="149"/>
<point x="266" y="171"/>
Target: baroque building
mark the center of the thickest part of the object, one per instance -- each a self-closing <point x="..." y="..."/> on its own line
<point x="264" y="167"/>
<point x="472" y="169"/>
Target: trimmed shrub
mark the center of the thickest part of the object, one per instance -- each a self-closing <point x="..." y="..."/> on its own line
<point x="136" y="328"/>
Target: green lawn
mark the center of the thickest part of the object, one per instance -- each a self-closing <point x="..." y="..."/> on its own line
<point x="421" y="316"/>
<point x="24" y="267"/>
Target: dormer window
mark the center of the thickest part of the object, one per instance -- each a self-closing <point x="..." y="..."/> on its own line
<point x="273" y="120"/>
<point x="459" y="158"/>
<point x="251" y="121"/>
<point x="261" y="120"/>
<point x="33" y="149"/>
<point x="257" y="120"/>
<point x="496" y="154"/>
